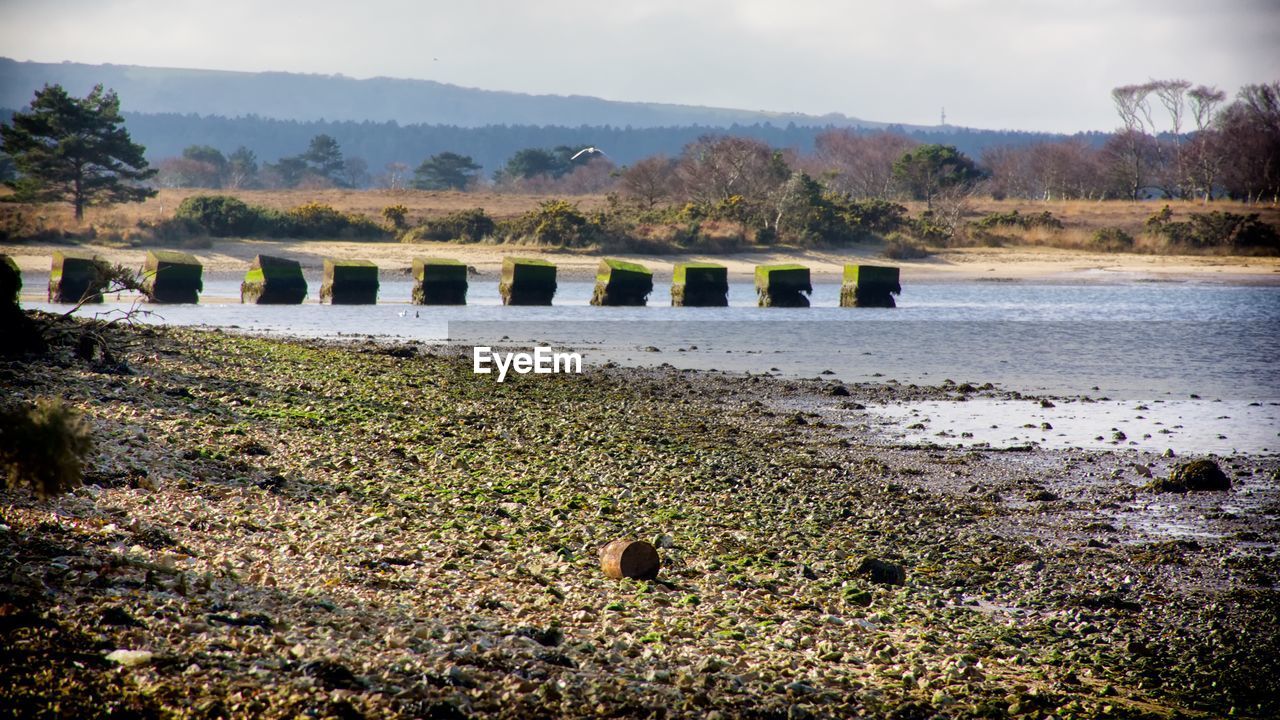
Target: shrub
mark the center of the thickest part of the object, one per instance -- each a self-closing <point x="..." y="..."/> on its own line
<point x="174" y="231"/>
<point x="43" y="447"/>
<point x="556" y="223"/>
<point x="878" y="216"/>
<point x="317" y="220"/>
<point x="995" y="220"/>
<point x="220" y="215"/>
<point x="463" y="225"/>
<point x="1230" y="229"/>
<point x="1111" y="239"/>
<point x="1217" y="229"/>
<point x="930" y="228"/>
<point x="809" y="216"/>
<point x="226" y="216"/>
<point x="395" y="214"/>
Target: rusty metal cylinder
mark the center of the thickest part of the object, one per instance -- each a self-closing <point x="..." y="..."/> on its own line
<point x="629" y="559"/>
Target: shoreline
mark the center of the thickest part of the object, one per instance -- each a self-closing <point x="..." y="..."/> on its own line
<point x="1023" y="264"/>
<point x="270" y="505"/>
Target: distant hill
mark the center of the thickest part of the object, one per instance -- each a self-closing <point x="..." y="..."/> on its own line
<point x="303" y="97"/>
<point x="384" y="120"/>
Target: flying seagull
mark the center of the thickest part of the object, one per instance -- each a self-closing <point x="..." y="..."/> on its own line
<point x="592" y="150"/>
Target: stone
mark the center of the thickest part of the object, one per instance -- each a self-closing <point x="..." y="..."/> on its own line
<point x="882" y="572"/>
<point x="1195" y="476"/>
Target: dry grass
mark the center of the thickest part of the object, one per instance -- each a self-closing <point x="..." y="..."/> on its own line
<point x="420" y="203"/>
<point x="1081" y="218"/>
<point x="1093" y="214"/>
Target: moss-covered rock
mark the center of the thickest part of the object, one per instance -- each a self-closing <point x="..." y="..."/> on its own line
<point x="20" y="335"/>
<point x="76" y="275"/>
<point x="699" y="285"/>
<point x="349" y="282"/>
<point x="619" y="282"/>
<point x="172" y="277"/>
<point x="1195" y="476"/>
<point x="882" y="572"/>
<point x="439" y="281"/>
<point x="527" y="281"/>
<point x="273" y="281"/>
<point x="869" y="286"/>
<point x="10" y="283"/>
<point x="783" y="285"/>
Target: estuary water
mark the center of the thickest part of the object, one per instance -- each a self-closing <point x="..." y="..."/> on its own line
<point x="1188" y="344"/>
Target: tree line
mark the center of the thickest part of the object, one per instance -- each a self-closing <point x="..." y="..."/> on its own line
<point x="1176" y="140"/>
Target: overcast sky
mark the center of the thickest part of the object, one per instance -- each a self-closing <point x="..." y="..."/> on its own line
<point x="1029" y="64"/>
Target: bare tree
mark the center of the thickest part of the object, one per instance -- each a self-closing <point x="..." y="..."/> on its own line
<point x="355" y="172"/>
<point x="1011" y="171"/>
<point x="1250" y="129"/>
<point x="650" y="180"/>
<point x="1174" y="171"/>
<point x="714" y="169"/>
<point x="1129" y="156"/>
<point x="859" y="165"/>
<point x="1134" y="108"/>
<point x="1205" y="147"/>
<point x="598" y="175"/>
<point x="396" y="176"/>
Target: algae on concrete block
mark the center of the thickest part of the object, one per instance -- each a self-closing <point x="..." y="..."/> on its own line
<point x="439" y="281"/>
<point x="527" y="281"/>
<point x="695" y="284"/>
<point x="783" y="285"/>
<point x="76" y="275"/>
<point x="619" y="282"/>
<point x="349" y="282"/>
<point x="273" y="281"/>
<point x="869" y="286"/>
<point x="172" y="277"/>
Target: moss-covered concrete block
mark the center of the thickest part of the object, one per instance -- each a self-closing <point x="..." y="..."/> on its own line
<point x="349" y="282"/>
<point x="273" y="281"/>
<point x="783" y="285"/>
<point x="172" y="277"/>
<point x="527" y="281"/>
<point x="76" y="275"/>
<point x="619" y="282"/>
<point x="696" y="284"/>
<point x="10" y="283"/>
<point x="439" y="281"/>
<point x="869" y="286"/>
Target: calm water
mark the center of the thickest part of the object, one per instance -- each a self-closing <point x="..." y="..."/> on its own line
<point x="1123" y="341"/>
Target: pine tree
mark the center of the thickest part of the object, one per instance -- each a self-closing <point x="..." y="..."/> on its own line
<point x="445" y="171"/>
<point x="75" y="150"/>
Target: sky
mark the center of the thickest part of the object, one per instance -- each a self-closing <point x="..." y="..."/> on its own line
<point x="1024" y="65"/>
